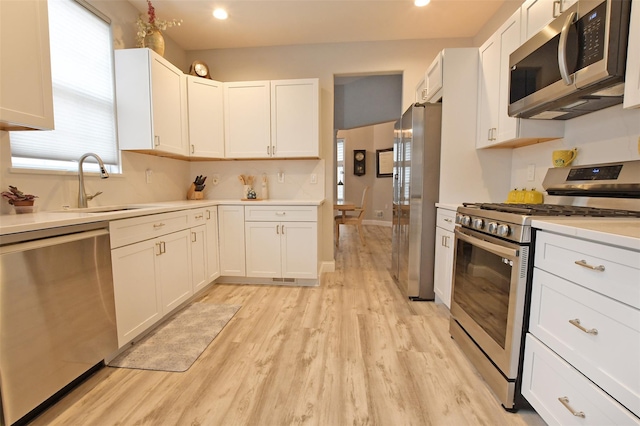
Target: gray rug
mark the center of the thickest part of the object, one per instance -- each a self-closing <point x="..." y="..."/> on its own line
<point x="176" y="344"/>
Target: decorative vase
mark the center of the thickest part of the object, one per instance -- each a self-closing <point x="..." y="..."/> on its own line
<point x="155" y="41"/>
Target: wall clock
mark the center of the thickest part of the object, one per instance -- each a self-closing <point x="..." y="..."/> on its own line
<point x="359" y="162"/>
<point x="199" y="69"/>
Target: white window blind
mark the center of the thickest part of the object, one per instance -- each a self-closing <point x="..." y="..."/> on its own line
<point x="83" y="93"/>
<point x="340" y="168"/>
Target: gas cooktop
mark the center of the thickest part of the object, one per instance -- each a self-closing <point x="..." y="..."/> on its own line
<point x="553" y="210"/>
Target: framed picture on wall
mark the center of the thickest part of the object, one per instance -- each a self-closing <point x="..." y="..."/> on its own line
<point x="384" y="162"/>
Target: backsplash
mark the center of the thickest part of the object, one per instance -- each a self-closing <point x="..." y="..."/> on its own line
<point x="604" y="136"/>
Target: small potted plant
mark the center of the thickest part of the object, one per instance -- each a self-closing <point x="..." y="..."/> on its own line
<point x="22" y="202"/>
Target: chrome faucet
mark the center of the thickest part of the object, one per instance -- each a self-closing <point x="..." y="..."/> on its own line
<point x="82" y="195"/>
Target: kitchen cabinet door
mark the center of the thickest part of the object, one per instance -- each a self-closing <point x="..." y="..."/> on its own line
<point x="294" y="118"/>
<point x="205" y="117"/>
<point x="536" y="14"/>
<point x="247" y="119"/>
<point x="137" y="298"/>
<point x="421" y="91"/>
<point x="443" y="272"/>
<point x="174" y="272"/>
<point x="151" y="103"/>
<point x="434" y="78"/>
<point x="199" y="273"/>
<point x="213" y="263"/>
<point x="299" y="249"/>
<point x="25" y="69"/>
<point x="632" y="79"/>
<point x="231" y="237"/>
<point x="488" y="91"/>
<point x="263" y="249"/>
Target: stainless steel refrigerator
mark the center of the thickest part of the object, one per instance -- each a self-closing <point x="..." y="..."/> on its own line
<point x="416" y="180"/>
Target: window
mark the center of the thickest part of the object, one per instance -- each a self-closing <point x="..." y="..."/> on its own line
<point x="340" y="168"/>
<point x="83" y="94"/>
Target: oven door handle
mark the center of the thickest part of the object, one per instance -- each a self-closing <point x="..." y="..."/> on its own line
<point x="506" y="252"/>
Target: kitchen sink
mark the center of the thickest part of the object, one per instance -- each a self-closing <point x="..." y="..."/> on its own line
<point x="110" y="209"/>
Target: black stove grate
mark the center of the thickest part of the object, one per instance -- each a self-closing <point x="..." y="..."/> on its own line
<point x="554" y="210"/>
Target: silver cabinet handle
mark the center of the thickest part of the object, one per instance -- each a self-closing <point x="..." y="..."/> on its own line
<point x="557" y="8"/>
<point x="159" y="251"/>
<point x="281" y="213"/>
<point x="584" y="264"/>
<point x="194" y="237"/>
<point x="448" y="220"/>
<point x="156" y="140"/>
<point x="208" y="214"/>
<point x="193" y="148"/>
<point x="576" y="323"/>
<point x="562" y="50"/>
<point x="158" y="225"/>
<point x="199" y="216"/>
<point x="282" y="229"/>
<point x="565" y="401"/>
<point x="277" y="229"/>
<point x="268" y="148"/>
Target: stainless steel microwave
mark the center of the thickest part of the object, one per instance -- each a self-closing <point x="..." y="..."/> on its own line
<point x="573" y="66"/>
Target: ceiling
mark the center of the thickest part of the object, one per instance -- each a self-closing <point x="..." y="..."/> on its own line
<point x="258" y="23"/>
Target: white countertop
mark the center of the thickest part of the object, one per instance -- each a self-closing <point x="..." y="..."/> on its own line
<point x="614" y="231"/>
<point x="14" y="223"/>
<point x="448" y="206"/>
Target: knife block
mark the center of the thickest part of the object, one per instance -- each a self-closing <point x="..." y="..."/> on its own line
<point x="192" y="194"/>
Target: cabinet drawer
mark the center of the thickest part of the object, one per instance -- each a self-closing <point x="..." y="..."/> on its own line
<point x="617" y="270"/>
<point x="446" y="219"/>
<point x="546" y="378"/>
<point x="607" y="350"/>
<point x="281" y="213"/>
<point x="200" y="216"/>
<point x="129" y="231"/>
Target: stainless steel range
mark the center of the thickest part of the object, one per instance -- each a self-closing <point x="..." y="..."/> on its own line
<point x="494" y="259"/>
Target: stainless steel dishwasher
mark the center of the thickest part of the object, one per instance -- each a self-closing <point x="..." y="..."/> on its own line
<point x="57" y="313"/>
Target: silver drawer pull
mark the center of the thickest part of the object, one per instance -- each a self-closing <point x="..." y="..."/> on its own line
<point x="565" y="401"/>
<point x="158" y="225"/>
<point x="448" y="220"/>
<point x="200" y="216"/>
<point x="586" y="265"/>
<point x="281" y="213"/>
<point x="576" y="323"/>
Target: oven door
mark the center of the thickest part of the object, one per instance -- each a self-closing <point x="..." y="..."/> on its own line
<point x="489" y="285"/>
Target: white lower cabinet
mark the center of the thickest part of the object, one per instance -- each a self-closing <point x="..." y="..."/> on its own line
<point x="281" y="249"/>
<point x="281" y="241"/>
<point x="231" y="237"/>
<point x="159" y="262"/>
<point x="443" y="269"/>
<point x="583" y="345"/>
<point x="150" y="279"/>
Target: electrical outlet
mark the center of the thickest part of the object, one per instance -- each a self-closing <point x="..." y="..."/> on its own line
<point x="379" y="213"/>
<point x="148" y="175"/>
<point x="313" y="178"/>
<point x="531" y="172"/>
<point x="280" y="177"/>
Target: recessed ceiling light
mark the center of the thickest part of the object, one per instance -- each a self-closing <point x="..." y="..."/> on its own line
<point x="220" y="14"/>
<point x="421" y="3"/>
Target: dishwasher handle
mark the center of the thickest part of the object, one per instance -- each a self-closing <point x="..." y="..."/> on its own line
<point x="51" y="241"/>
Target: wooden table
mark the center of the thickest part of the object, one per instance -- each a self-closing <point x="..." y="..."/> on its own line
<point x="344" y="207"/>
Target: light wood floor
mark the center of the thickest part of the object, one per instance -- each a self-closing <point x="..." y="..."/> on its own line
<point x="352" y="351"/>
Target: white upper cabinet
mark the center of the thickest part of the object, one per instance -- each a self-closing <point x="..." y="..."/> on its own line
<point x="433" y="79"/>
<point x="495" y="127"/>
<point x="247" y="119"/>
<point x="421" y="91"/>
<point x="294" y="118"/>
<point x="632" y="79"/>
<point x="536" y="14"/>
<point x="26" y="96"/>
<point x="272" y="119"/>
<point x="151" y="103"/>
<point x="205" y="117"/>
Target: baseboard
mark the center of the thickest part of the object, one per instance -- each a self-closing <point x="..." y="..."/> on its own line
<point x="295" y="282"/>
<point x="327" y="266"/>
<point x="377" y="222"/>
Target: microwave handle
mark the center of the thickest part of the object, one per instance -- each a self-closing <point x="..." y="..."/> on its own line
<point x="562" y="49"/>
